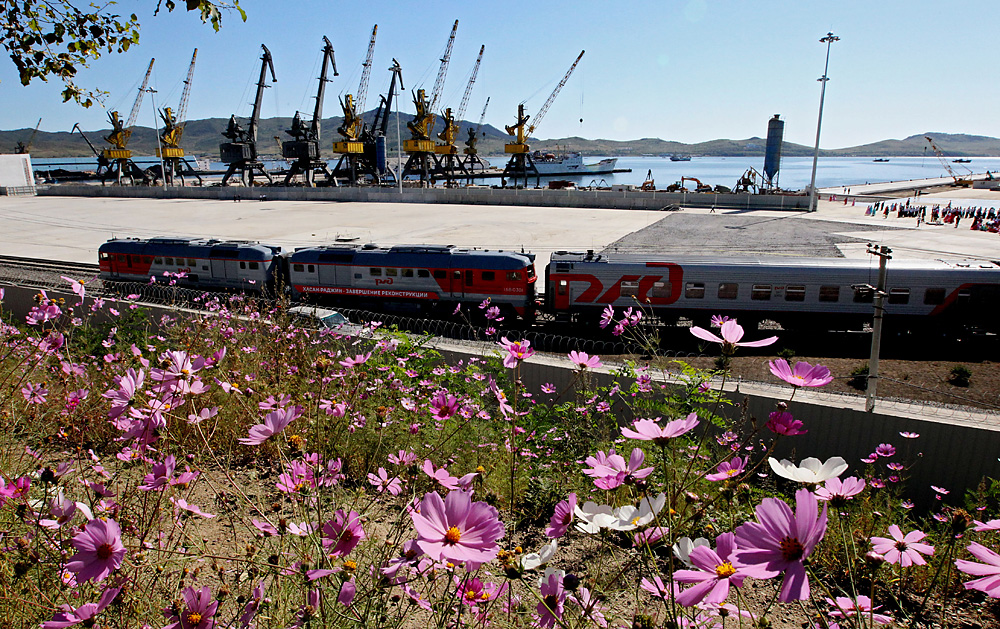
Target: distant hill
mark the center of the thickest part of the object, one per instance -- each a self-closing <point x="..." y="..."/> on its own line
<point x="202" y="138"/>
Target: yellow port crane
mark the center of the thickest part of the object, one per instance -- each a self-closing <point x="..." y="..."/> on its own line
<point x="449" y="163"/>
<point x="520" y="165"/>
<point x="351" y="148"/>
<point x="174" y="162"/>
<point x="960" y="180"/>
<point x="118" y="155"/>
<point x="420" y="147"/>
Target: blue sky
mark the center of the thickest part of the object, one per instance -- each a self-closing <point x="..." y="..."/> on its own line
<point x="685" y="70"/>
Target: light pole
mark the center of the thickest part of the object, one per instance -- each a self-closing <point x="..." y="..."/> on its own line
<point x="829" y="39"/>
<point x="156" y="130"/>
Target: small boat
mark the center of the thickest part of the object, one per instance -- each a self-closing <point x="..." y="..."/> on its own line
<point x="881" y="159"/>
<point x="680" y="158"/>
<point x="570" y="164"/>
<point x="960" y="161"/>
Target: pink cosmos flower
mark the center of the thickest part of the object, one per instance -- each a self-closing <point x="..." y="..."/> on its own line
<point x="562" y="518"/>
<point x="649" y="430"/>
<point x="583" y="360"/>
<point x="182" y="506"/>
<point x="83" y="614"/>
<point x="456" y="528"/>
<point x="198" y="610"/>
<point x="444" y="405"/>
<point x="34" y="393"/>
<point x="360" y="359"/>
<point x="552" y="605"/>
<point x="516" y="352"/>
<point x="607" y="316"/>
<point x="992" y="525"/>
<point x="441" y="475"/>
<point x="732" y="332"/>
<point x="784" y="424"/>
<point x="846" y="608"/>
<point x="802" y="375"/>
<point x="610" y="470"/>
<point x="343" y="533"/>
<point x="780" y="540"/>
<point x="885" y="450"/>
<point x="902" y="549"/>
<point x="99" y="551"/>
<point x="160" y="475"/>
<point x="909" y="435"/>
<point x="252" y="606"/>
<point x="989" y="570"/>
<point x="403" y="458"/>
<point x="728" y="469"/>
<point x="383" y="482"/>
<point x="713" y="573"/>
<point x="274" y="423"/>
<point x="659" y="589"/>
<point x="839" y="491"/>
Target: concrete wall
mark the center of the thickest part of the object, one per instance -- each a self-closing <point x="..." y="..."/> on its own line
<point x="605" y="199"/>
<point x="15" y="173"/>
<point x="955" y="450"/>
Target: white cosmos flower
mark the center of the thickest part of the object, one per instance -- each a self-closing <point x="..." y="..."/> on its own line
<point x="629" y="517"/>
<point x="548" y="573"/>
<point x="810" y="470"/>
<point x="684" y="546"/>
<point x="592" y="517"/>
<point x="531" y="561"/>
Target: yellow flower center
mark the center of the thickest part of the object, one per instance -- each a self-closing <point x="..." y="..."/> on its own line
<point x="194" y="618"/>
<point x="635" y="521"/>
<point x="725" y="570"/>
<point x="791" y="548"/>
<point x="732" y="472"/>
<point x="452" y="535"/>
<point x="350" y="566"/>
<point x="471" y="595"/>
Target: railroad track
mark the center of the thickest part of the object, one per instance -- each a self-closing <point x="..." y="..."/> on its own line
<point x="53" y="266"/>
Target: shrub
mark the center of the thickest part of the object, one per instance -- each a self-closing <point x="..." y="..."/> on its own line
<point x="859" y="377"/>
<point x="786" y="352"/>
<point x="960" y="376"/>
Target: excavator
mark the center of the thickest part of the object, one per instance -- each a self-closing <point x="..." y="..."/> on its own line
<point x="680" y="187"/>
<point x="304" y="147"/>
<point x="521" y="166"/>
<point x="174" y="162"/>
<point x="118" y="156"/>
<point x="241" y="151"/>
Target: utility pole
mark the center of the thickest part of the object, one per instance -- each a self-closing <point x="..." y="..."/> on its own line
<point x="829" y="39"/>
<point x="156" y="130"/>
<point x="884" y="257"/>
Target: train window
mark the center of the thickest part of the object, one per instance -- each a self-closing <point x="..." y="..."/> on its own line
<point x="455" y="275"/>
<point x="297" y="268"/>
<point x="863" y="295"/>
<point x="795" y="293"/>
<point x="243" y="264"/>
<point x="489" y="276"/>
<point x="630" y="289"/>
<point x="964" y="295"/>
<point x="729" y="290"/>
<point x="829" y="293"/>
<point x="513" y="276"/>
<point x="694" y="290"/>
<point x="169" y="261"/>
<point x="254" y="266"/>
<point x="660" y="289"/>
<point x="102" y="255"/>
<point x="761" y="292"/>
<point x="440" y="274"/>
<point x="192" y="262"/>
<point x="311" y="268"/>
<point x="468" y="278"/>
<point x="899" y="295"/>
<point x="406" y="272"/>
<point x="563" y="286"/>
<point x="157" y="260"/>
<point x="531" y="271"/>
<point x="204" y="267"/>
<point x="357" y="276"/>
<point x="423" y="273"/>
<point x="375" y="272"/>
<point x="391" y="272"/>
<point x="934" y="296"/>
<point x="121" y="257"/>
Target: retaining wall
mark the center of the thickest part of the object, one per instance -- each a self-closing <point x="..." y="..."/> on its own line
<point x="604" y="199"/>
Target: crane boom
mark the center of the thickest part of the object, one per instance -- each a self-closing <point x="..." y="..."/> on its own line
<point x="366" y="74"/>
<point x="944" y="162"/>
<point x="328" y="60"/>
<point x="482" y="116"/>
<point x="186" y="94"/>
<point x="259" y="98"/>
<point x="443" y="69"/>
<point x="545" y="108"/>
<point x="138" y="98"/>
<point x="468" y="88"/>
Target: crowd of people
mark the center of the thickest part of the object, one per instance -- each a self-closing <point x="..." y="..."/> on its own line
<point x="978" y="218"/>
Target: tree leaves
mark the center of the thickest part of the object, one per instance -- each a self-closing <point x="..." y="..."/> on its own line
<point x="54" y="38"/>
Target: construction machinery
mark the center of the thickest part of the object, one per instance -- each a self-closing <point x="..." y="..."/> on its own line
<point x="241" y="151"/>
<point x="472" y="160"/>
<point x="521" y="166"/>
<point x="960" y="180"/>
<point x="304" y="147"/>
<point x="23" y="149"/>
<point x="750" y="182"/>
<point x="174" y="162"/>
<point x="352" y="148"/>
<point x="649" y="184"/>
<point x="450" y="165"/>
<point x="102" y="162"/>
<point x="118" y="156"/>
<point x="420" y="148"/>
<point x="680" y="186"/>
